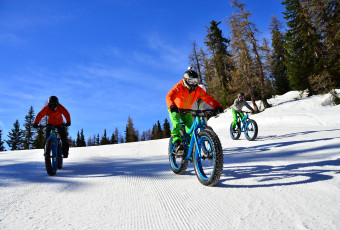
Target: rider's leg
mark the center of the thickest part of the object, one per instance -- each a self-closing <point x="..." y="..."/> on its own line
<point x="176" y="126"/>
<point x="64" y="141"/>
<point x="235" y="117"/>
<point x="188" y="120"/>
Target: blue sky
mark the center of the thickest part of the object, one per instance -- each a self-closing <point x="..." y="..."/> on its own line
<point x="104" y="59"/>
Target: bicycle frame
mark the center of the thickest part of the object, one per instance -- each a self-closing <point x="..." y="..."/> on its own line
<point x="243" y="122"/>
<point x="199" y="123"/>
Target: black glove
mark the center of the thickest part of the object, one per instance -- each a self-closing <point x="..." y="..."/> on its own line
<point x="219" y="109"/>
<point x="35" y="125"/>
<point x="174" y="109"/>
<point x="253" y="111"/>
<point x="68" y="124"/>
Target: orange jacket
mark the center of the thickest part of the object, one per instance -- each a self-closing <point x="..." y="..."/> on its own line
<point x="54" y="117"/>
<point x="180" y="96"/>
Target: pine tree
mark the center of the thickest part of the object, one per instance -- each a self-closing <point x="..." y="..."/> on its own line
<point x="2" y="147"/>
<point x="130" y="132"/>
<point x="39" y="142"/>
<point x="220" y="64"/>
<point x="248" y="29"/>
<point x="78" y="140"/>
<point x="324" y="17"/>
<point x="166" y="129"/>
<point x="113" y="139"/>
<point x="243" y="77"/>
<point x="159" y="130"/>
<point x="15" y="141"/>
<point x="116" y="135"/>
<point x="195" y="60"/>
<point x="104" y="140"/>
<point x="29" y="132"/>
<point x="277" y="66"/>
<point x="82" y="138"/>
<point x="303" y="45"/>
<point x="97" y="140"/>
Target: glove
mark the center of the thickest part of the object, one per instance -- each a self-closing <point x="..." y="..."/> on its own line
<point x="68" y="124"/>
<point x="35" y="125"/>
<point x="219" y="109"/>
<point x="174" y="109"/>
<point x="253" y="111"/>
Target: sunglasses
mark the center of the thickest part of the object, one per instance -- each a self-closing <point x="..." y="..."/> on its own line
<point x="192" y="80"/>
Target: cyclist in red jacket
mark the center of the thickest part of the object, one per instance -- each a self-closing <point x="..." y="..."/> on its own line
<point x="54" y="111"/>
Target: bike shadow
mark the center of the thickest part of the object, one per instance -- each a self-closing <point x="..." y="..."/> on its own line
<point x="261" y="176"/>
<point x="253" y="176"/>
<point x="74" y="173"/>
<point x="289" y="135"/>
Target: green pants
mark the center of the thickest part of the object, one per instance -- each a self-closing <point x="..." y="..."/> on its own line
<point x="176" y="124"/>
<point x="235" y="114"/>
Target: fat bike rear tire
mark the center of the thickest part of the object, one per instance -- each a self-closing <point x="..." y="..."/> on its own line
<point x="235" y="133"/>
<point x="50" y="159"/>
<point x="208" y="163"/>
<point x="178" y="163"/>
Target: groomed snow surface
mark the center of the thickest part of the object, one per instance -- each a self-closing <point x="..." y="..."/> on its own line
<point x="289" y="178"/>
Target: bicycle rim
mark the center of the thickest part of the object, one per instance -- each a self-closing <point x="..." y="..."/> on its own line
<point x="205" y="163"/>
<point x="251" y="130"/>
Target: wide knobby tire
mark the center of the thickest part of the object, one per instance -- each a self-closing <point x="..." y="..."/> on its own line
<point x="251" y="130"/>
<point x="209" y="166"/>
<point x="60" y="158"/>
<point x="178" y="164"/>
<point x="235" y="135"/>
<point x="48" y="159"/>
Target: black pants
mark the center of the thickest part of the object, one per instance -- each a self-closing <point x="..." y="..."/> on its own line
<point x="63" y="137"/>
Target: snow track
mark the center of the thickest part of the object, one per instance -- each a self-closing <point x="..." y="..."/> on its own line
<point x="289" y="178"/>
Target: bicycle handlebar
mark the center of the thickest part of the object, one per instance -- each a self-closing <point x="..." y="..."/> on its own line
<point x="51" y="126"/>
<point x="200" y="113"/>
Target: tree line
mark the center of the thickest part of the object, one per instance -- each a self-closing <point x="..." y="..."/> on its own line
<point x="29" y="138"/>
<point x="304" y="56"/>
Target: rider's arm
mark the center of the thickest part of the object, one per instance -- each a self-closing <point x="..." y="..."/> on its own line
<point x="41" y="114"/>
<point x="207" y="98"/>
<point x="170" y="97"/>
<point x="65" y="113"/>
<point x="248" y="106"/>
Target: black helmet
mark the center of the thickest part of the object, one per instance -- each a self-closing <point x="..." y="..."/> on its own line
<point x="53" y="102"/>
<point x="241" y="96"/>
<point x="190" y="78"/>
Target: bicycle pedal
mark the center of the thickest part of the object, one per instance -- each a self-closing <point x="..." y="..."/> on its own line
<point x="179" y="153"/>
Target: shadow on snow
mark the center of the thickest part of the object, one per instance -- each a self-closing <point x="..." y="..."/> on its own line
<point x="254" y="176"/>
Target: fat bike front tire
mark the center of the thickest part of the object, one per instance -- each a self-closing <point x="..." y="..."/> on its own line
<point x="235" y="133"/>
<point x="50" y="158"/>
<point x="208" y="160"/>
<point x="178" y="163"/>
<point x="60" y="158"/>
<point x="251" y="130"/>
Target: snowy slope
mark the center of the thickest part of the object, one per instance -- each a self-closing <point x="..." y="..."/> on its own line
<point x="289" y="178"/>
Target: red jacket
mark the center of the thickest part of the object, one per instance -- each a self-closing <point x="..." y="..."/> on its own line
<point x="54" y="117"/>
<point x="180" y="96"/>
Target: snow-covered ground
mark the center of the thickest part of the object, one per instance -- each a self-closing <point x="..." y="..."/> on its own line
<point x="289" y="178"/>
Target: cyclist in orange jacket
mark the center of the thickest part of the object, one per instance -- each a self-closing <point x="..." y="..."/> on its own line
<point x="54" y="111"/>
<point x="182" y="96"/>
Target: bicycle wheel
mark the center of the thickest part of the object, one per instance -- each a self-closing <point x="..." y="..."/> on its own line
<point x="60" y="158"/>
<point x="50" y="158"/>
<point x="208" y="162"/>
<point x="178" y="163"/>
<point x="235" y="133"/>
<point x="251" y="130"/>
